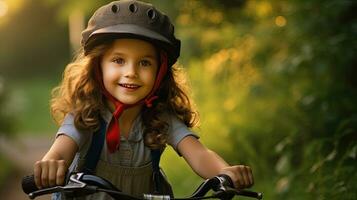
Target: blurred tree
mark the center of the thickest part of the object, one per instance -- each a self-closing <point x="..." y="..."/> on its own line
<point x="7" y="119"/>
<point x="33" y="42"/>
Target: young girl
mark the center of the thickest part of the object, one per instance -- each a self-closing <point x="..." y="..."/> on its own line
<point x="123" y="86"/>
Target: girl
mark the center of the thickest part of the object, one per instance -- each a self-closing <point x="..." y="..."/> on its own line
<point x="123" y="86"/>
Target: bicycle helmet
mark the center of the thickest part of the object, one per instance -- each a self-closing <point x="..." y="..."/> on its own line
<point x="132" y="19"/>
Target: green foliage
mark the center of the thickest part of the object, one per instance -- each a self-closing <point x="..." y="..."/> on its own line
<point x="7" y="118"/>
<point x="31" y="100"/>
<point x="278" y="81"/>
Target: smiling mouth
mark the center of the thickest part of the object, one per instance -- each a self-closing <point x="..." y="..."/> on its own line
<point x="129" y="86"/>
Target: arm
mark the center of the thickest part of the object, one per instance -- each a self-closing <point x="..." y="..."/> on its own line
<point x="207" y="163"/>
<point x="51" y="170"/>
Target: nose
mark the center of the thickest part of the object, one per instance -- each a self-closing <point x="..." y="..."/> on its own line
<point x="131" y="70"/>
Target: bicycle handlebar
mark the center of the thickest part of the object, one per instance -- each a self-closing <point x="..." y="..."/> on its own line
<point x="80" y="184"/>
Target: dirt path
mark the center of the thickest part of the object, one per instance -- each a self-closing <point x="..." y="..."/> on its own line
<point x="22" y="153"/>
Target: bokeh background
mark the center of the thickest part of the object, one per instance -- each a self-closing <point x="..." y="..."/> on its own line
<point x="274" y="81"/>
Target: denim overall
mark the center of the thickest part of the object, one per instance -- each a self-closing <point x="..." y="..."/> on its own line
<point x="136" y="181"/>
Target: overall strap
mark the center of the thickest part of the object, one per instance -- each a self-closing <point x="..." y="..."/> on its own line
<point x="161" y="185"/>
<point x="95" y="149"/>
<point x="155" y="161"/>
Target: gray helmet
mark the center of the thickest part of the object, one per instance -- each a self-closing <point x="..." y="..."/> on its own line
<point x="131" y="19"/>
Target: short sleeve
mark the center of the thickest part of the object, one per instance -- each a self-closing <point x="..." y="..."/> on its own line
<point x="68" y="128"/>
<point x="178" y="131"/>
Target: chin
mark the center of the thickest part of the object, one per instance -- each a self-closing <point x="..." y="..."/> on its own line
<point x="129" y="101"/>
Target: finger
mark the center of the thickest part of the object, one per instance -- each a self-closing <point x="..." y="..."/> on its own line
<point x="245" y="176"/>
<point x="61" y="173"/>
<point x="44" y="174"/>
<point x="52" y="172"/>
<point x="250" y="175"/>
<point x="37" y="174"/>
<point x="240" y="181"/>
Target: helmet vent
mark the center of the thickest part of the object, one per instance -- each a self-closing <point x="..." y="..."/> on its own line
<point x="133" y="8"/>
<point x="115" y="8"/>
<point x="151" y="13"/>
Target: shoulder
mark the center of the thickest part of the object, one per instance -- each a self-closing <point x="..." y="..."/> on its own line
<point x="69" y="129"/>
<point x="172" y="119"/>
<point x="177" y="130"/>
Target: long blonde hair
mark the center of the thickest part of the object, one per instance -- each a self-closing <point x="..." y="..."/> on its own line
<point x="80" y="93"/>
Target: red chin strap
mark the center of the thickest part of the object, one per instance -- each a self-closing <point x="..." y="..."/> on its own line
<point x="113" y="131"/>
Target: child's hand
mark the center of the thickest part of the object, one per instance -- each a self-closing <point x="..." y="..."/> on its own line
<point x="241" y="176"/>
<point x="49" y="173"/>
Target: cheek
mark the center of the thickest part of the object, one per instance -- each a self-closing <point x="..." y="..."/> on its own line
<point x="150" y="77"/>
<point x="109" y="73"/>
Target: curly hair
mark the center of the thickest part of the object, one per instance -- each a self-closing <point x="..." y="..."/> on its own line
<point x="80" y="93"/>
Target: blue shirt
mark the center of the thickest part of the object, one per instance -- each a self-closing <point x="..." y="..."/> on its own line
<point x="132" y="152"/>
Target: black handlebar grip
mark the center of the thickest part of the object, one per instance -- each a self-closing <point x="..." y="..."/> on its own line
<point x="28" y="184"/>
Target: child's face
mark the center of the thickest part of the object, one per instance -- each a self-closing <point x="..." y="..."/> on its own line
<point x="129" y="69"/>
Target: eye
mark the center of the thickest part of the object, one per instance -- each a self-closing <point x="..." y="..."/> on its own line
<point x="118" y="60"/>
<point x="145" y="63"/>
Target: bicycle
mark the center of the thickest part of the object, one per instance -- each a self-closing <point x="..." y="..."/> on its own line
<point x="81" y="184"/>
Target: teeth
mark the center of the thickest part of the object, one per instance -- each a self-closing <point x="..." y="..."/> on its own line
<point x="129" y="86"/>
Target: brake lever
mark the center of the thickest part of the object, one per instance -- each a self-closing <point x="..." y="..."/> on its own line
<point x="74" y="184"/>
<point x="224" y="190"/>
<point x="216" y="183"/>
<point x="221" y="184"/>
<point x="223" y="194"/>
<point x="204" y="188"/>
<point x="37" y="193"/>
<point x="247" y="193"/>
<point x="221" y="188"/>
